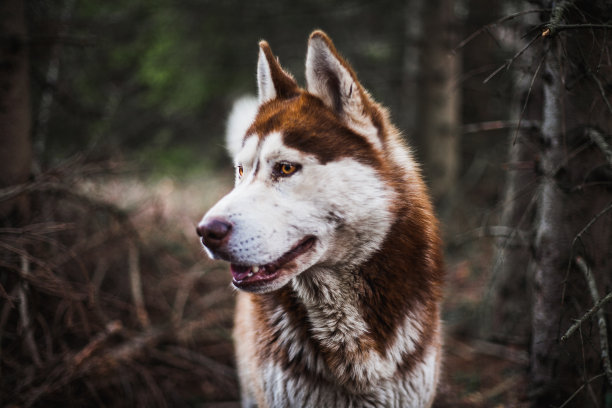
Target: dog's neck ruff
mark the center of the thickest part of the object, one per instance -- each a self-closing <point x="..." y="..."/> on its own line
<point x="353" y="331"/>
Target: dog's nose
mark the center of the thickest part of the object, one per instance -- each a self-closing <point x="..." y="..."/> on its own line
<point x="214" y="232"/>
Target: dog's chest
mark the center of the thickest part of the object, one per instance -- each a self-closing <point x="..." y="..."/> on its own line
<point x="316" y="354"/>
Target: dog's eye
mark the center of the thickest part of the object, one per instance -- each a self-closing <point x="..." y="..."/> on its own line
<point x="285" y="169"/>
<point x="239" y="170"/>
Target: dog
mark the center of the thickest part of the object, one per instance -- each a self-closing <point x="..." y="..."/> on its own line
<point x="333" y="244"/>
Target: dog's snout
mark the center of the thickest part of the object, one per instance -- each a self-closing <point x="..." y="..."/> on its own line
<point x="214" y="232"/>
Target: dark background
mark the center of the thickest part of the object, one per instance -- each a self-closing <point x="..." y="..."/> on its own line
<point x="107" y="298"/>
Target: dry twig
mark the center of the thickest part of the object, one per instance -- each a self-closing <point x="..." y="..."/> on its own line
<point x="24" y="313"/>
<point x="499" y="124"/>
<point x="136" y="285"/>
<point x="509" y="62"/>
<point x="599" y="140"/>
<point x="586" y="383"/>
<point x="601" y="303"/>
<point x="601" y="320"/>
<point x="577" y="238"/>
<point x="488" y="27"/>
<point x="533" y="78"/>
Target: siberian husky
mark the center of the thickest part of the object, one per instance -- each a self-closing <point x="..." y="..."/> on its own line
<point x="333" y="245"/>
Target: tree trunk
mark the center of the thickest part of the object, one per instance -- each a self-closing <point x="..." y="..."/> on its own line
<point x="15" y="146"/>
<point x="411" y="66"/>
<point x="572" y="220"/>
<point x="508" y="304"/>
<point x="571" y="197"/>
<point x="438" y="117"/>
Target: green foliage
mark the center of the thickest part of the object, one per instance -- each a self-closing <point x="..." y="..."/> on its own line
<point x="143" y="68"/>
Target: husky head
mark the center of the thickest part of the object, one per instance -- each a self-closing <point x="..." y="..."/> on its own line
<point x="314" y="175"/>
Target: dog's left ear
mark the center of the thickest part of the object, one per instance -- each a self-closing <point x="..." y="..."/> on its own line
<point x="331" y="78"/>
<point x="272" y="81"/>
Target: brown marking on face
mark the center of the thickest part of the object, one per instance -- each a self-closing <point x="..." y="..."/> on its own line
<point x="308" y="125"/>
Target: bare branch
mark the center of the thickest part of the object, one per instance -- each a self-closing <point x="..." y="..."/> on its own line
<point x="588" y="382"/>
<point x="482" y="397"/>
<point x="499" y="124"/>
<point x="548" y="32"/>
<point x="24" y="313"/>
<point x="182" y="292"/>
<point x="601" y="320"/>
<point x="514" y="236"/>
<point x="601" y="90"/>
<point x="493" y="24"/>
<point x="586" y="316"/>
<point x="591" y="222"/>
<point x="509" y="62"/>
<point x="88" y="363"/>
<point x="579" y="237"/>
<point x="111" y="328"/>
<point x="599" y="140"/>
<point x="556" y="17"/>
<point x="136" y="284"/>
<point x="518" y="127"/>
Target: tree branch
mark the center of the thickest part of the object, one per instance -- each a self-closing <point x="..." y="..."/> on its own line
<point x="548" y="32"/>
<point x="586" y="316"/>
<point x="578" y="237"/>
<point x="509" y="62"/>
<point x="601" y="320"/>
<point x="601" y="90"/>
<point x="136" y="284"/>
<point x="597" y="138"/>
<point x="499" y="124"/>
<point x="533" y="78"/>
<point x="556" y="17"/>
<point x="493" y="24"/>
<point x="24" y="312"/>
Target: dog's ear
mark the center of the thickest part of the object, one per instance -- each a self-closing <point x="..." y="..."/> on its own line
<point x="272" y="80"/>
<point x="332" y="79"/>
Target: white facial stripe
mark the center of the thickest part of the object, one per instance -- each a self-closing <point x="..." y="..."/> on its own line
<point x="246" y="156"/>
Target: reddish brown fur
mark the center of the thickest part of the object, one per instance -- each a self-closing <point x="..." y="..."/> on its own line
<point x="406" y="271"/>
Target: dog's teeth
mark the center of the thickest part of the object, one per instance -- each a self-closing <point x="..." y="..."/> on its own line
<point x="255" y="269"/>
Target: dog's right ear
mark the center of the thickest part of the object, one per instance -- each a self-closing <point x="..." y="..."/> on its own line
<point x="272" y="80"/>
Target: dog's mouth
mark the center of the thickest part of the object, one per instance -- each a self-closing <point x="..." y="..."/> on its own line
<point x="252" y="276"/>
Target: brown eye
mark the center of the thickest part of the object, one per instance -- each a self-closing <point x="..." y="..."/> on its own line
<point x="288" y="168"/>
<point x="285" y="169"/>
<point x="240" y="170"/>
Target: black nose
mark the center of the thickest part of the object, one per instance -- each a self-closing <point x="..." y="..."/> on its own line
<point x="214" y="232"/>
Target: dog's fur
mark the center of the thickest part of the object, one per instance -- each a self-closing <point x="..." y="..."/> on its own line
<point x="342" y="309"/>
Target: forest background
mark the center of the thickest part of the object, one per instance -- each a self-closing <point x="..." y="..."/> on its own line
<point x="112" y="118"/>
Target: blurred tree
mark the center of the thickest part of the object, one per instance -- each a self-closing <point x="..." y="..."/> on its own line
<point x="158" y="75"/>
<point x="508" y="315"/>
<point x="16" y="146"/>
<point x="571" y="162"/>
<point x="574" y="189"/>
<point x="438" y="113"/>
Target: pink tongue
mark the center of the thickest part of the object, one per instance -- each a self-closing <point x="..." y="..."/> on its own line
<point x="239" y="272"/>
